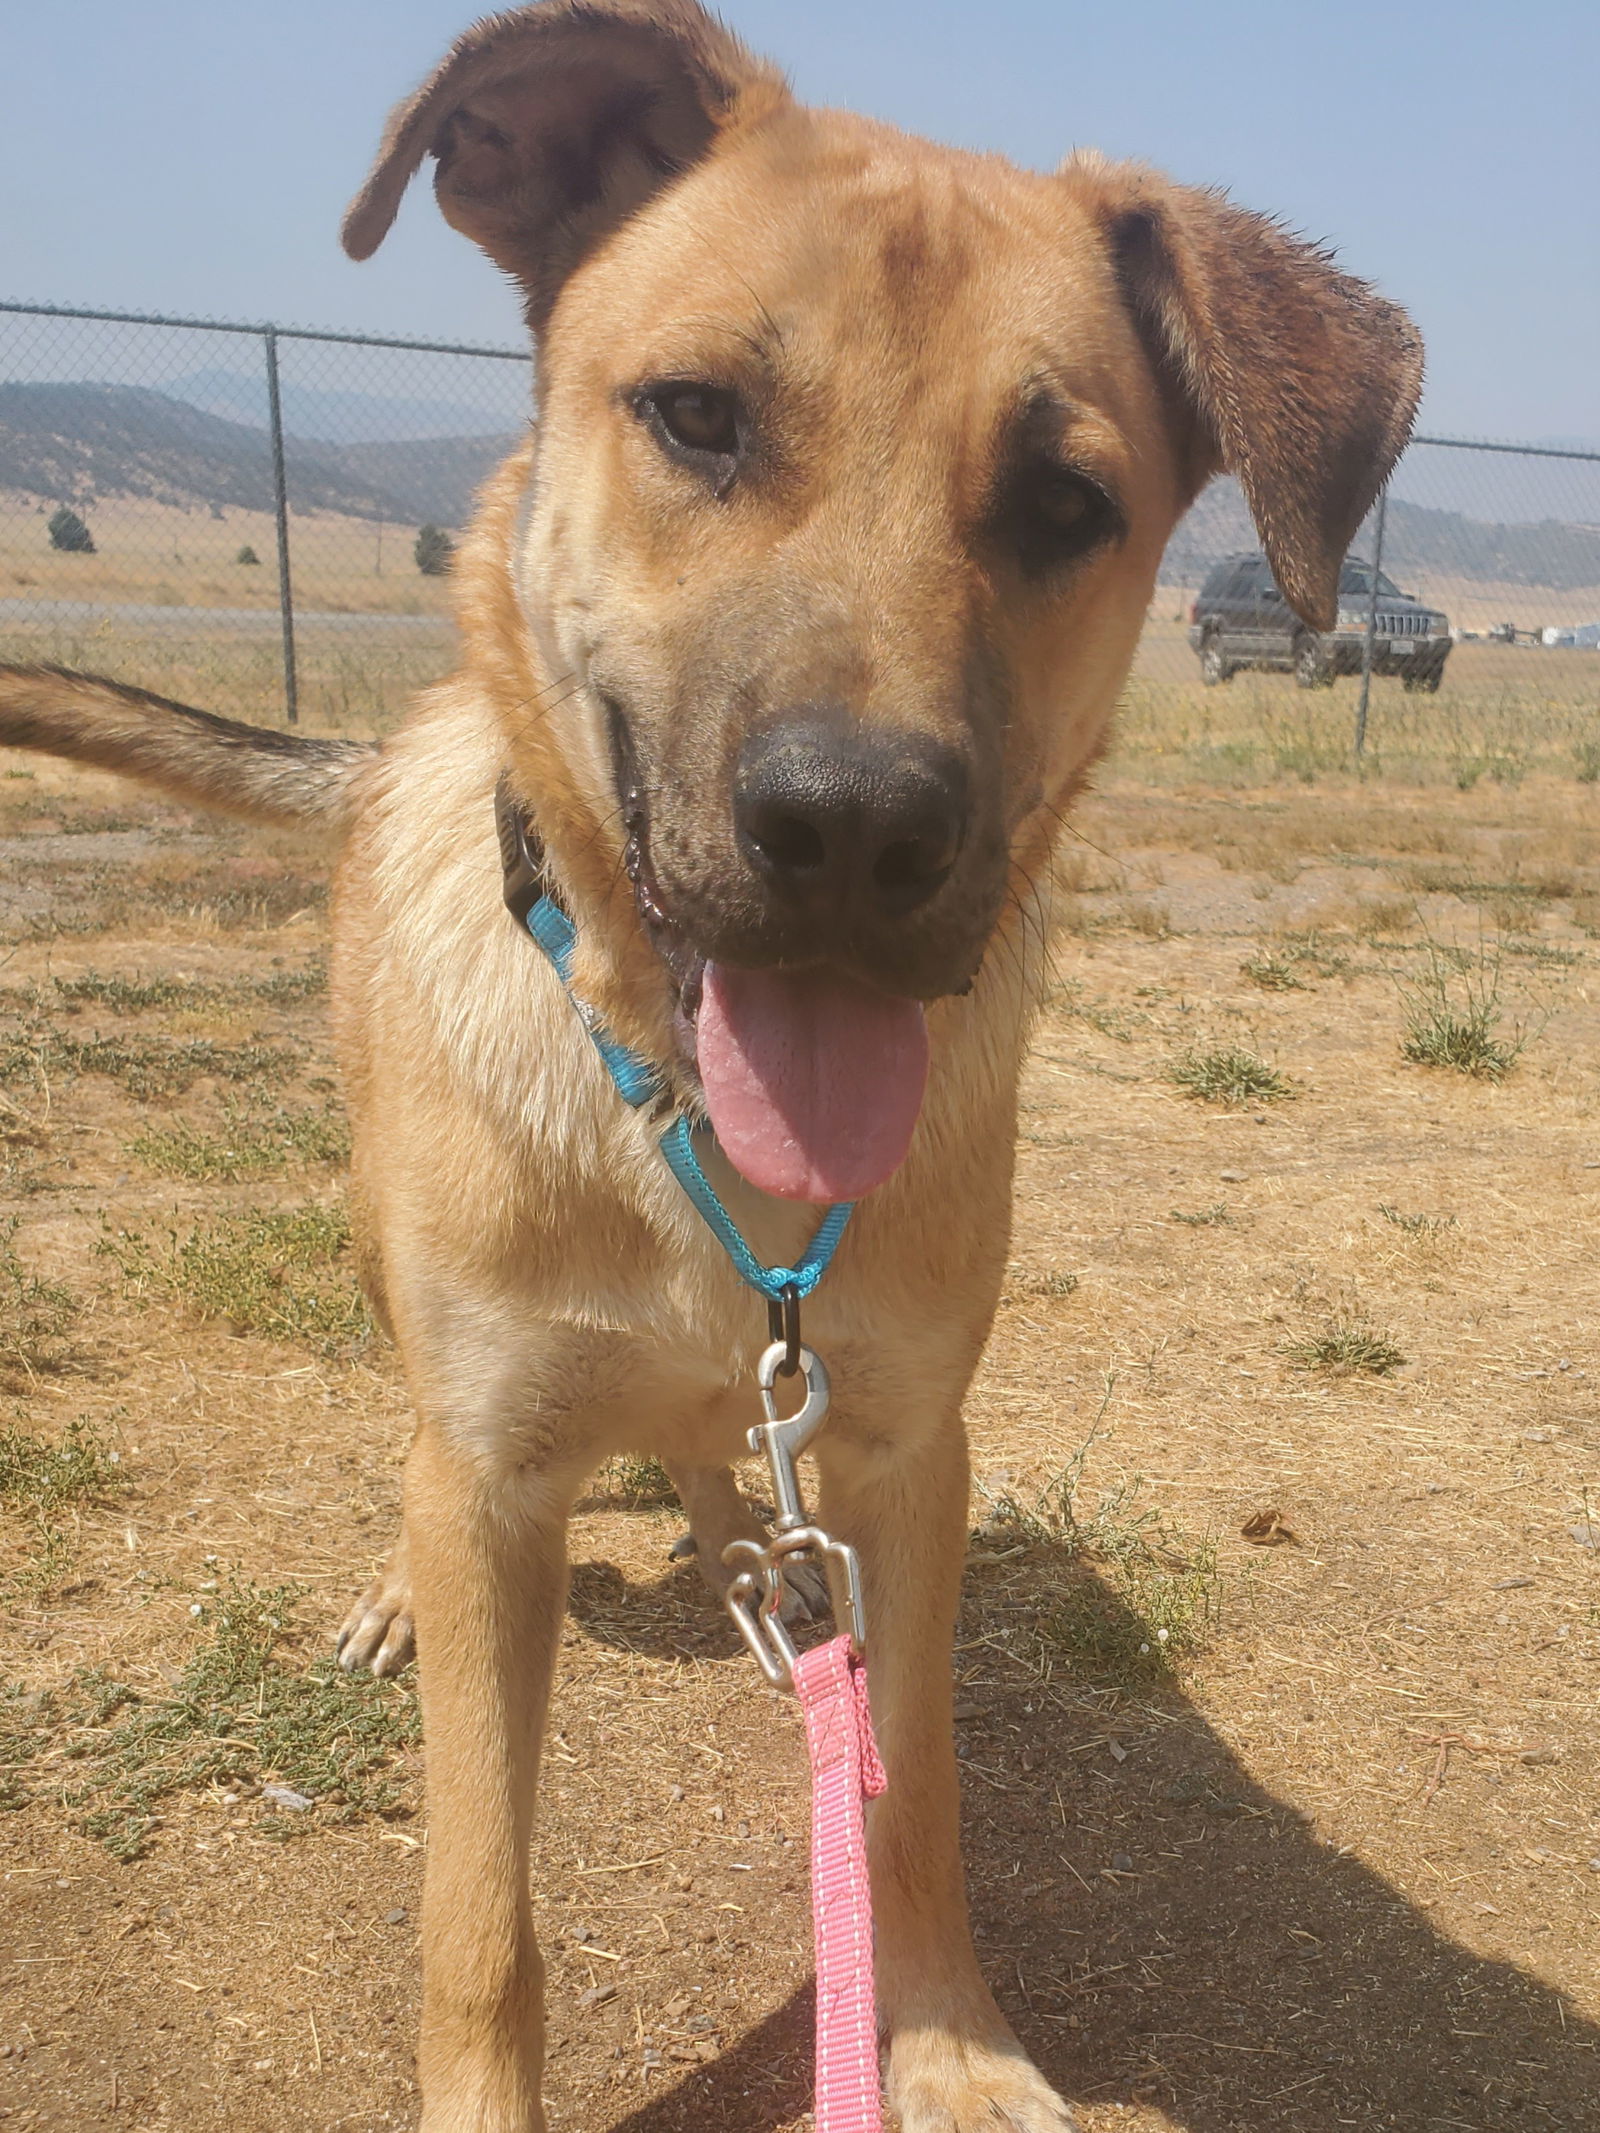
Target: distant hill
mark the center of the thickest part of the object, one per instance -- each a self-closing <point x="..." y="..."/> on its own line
<point x="501" y="398"/>
<point x="1552" y="554"/>
<point x="74" y="443"/>
<point x="429" y="478"/>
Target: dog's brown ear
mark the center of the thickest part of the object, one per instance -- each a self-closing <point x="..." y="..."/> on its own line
<point x="552" y="124"/>
<point x="1289" y="374"/>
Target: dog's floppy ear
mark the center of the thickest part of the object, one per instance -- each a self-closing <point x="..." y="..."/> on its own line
<point x="1289" y="374"/>
<point x="552" y="124"/>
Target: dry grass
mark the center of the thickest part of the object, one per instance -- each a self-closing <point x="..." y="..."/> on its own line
<point x="150" y="554"/>
<point x="1323" y="1862"/>
<point x="1502" y="716"/>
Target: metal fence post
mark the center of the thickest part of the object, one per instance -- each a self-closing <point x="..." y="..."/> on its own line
<point x="280" y="485"/>
<point x="1372" y="621"/>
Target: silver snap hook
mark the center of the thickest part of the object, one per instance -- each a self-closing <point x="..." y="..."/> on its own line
<point x="784" y="1438"/>
<point x="808" y="1418"/>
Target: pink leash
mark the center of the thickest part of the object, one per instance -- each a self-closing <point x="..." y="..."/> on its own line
<point x="845" y="1773"/>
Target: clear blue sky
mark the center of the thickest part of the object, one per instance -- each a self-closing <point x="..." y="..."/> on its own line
<point x="196" y="157"/>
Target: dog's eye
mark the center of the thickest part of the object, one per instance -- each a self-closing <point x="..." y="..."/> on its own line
<point x="1063" y="501"/>
<point x="702" y="418"/>
<point x="700" y="422"/>
<point x="1056" y="514"/>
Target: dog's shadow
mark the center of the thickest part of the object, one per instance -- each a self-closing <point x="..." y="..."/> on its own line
<point x="1161" y="1928"/>
<point x="674" y="1618"/>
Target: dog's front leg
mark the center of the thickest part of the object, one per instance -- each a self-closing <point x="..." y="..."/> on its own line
<point x="488" y="1563"/>
<point x="899" y="1495"/>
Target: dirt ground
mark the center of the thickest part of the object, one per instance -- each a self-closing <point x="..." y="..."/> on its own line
<point x="1336" y="1862"/>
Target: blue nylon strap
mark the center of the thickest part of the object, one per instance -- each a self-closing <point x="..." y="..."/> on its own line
<point x="637" y="1081"/>
<point x="638" y="1084"/>
<point x="677" y="1146"/>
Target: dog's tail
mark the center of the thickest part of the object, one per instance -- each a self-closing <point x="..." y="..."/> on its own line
<point x="254" y="771"/>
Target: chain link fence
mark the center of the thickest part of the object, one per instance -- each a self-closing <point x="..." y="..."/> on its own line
<point x="1468" y="634"/>
<point x="255" y="518"/>
<point x="260" y="519"/>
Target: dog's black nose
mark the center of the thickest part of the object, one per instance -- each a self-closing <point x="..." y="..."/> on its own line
<point x="839" y="817"/>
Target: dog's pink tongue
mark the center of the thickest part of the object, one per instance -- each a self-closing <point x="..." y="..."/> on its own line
<point x="813" y="1083"/>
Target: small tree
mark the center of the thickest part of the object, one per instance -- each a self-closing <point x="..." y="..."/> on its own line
<point x="69" y="533"/>
<point x="435" y="551"/>
<point x="247" y="555"/>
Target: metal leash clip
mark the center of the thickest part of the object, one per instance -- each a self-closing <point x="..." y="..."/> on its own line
<point x="756" y="1593"/>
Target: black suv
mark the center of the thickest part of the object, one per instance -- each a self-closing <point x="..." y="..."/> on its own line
<point x="1242" y="620"/>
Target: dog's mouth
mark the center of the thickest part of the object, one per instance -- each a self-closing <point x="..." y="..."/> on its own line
<point x="812" y="1080"/>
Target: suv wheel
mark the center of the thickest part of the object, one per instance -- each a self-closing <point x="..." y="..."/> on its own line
<point x="1426" y="680"/>
<point x="1312" y="669"/>
<point x="1214" y="669"/>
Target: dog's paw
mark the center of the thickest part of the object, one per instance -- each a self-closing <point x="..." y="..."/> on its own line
<point x="805" y="1585"/>
<point x="378" y="1633"/>
<point x="944" y="2084"/>
<point x="805" y="1595"/>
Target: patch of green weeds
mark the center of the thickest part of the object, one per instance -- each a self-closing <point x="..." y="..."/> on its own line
<point x="1068" y="998"/>
<point x="66" y="820"/>
<point x="147" y="1067"/>
<point x="82" y="1466"/>
<point x="1297" y="760"/>
<point x="1228" y="1074"/>
<point x="41" y="1562"/>
<point x="134" y="995"/>
<point x="1274" y="971"/>
<point x="273" y="1271"/>
<point x="1586" y="765"/>
<point x="1545" y="952"/>
<point x="1206" y="1217"/>
<point x="23" y="1713"/>
<point x="218" y="893"/>
<point x="1501" y="768"/>
<point x="40" y="1481"/>
<point x="283" y="988"/>
<point x="1429" y="1226"/>
<point x="243" y="1711"/>
<point x="22" y="1177"/>
<point x="249" y="1145"/>
<point x="36" y="1316"/>
<point x="1450" y="878"/>
<point x="1049" y="1286"/>
<point x="1453" y="1016"/>
<point x="1117" y="1589"/>
<point x="1349" y="1343"/>
<point x="638" y="1482"/>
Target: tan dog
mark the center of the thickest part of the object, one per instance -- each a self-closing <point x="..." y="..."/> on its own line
<point x="795" y="629"/>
